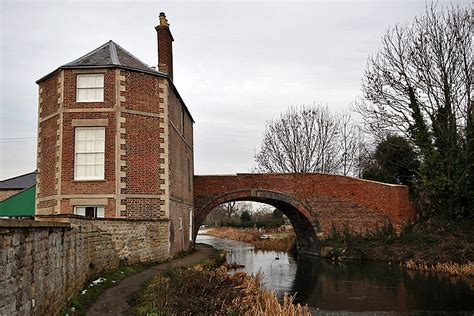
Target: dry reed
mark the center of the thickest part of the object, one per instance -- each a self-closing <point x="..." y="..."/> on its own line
<point x="451" y="268"/>
<point x="258" y="301"/>
<point x="212" y="292"/>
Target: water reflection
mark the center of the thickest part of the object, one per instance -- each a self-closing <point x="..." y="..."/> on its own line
<point x="351" y="286"/>
<point x="372" y="286"/>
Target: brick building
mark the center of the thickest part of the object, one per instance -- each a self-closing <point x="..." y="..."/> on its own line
<point x="115" y="139"/>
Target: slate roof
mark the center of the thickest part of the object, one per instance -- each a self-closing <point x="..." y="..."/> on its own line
<point x="19" y="182"/>
<point x="109" y="54"/>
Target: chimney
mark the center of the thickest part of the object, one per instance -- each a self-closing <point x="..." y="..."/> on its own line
<point x="165" y="46"/>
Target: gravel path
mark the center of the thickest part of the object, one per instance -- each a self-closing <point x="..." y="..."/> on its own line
<point x="115" y="300"/>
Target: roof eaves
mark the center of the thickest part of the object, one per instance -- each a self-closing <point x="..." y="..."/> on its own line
<point x="151" y="71"/>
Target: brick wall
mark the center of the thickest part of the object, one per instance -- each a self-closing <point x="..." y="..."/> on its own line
<point x="5" y="194"/>
<point x="68" y="184"/>
<point x="45" y="263"/>
<point x="181" y="170"/>
<point x="69" y="101"/>
<point x="134" y="144"/>
<point x="324" y="199"/>
<point x="142" y="154"/>
<point x="143" y="148"/>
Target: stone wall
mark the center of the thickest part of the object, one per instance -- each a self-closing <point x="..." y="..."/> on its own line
<point x="46" y="262"/>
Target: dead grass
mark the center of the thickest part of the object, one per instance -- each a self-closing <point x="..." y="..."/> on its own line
<point x="247" y="235"/>
<point x="451" y="268"/>
<point x="212" y="292"/>
<point x="282" y="243"/>
<point x="258" y="301"/>
<point x="437" y="245"/>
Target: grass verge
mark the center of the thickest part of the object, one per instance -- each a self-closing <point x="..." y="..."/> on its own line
<point x="82" y="302"/>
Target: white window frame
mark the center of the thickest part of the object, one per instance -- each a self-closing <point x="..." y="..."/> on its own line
<point x="191" y="224"/>
<point x="91" y="178"/>
<point x="97" y="208"/>
<point x="89" y="88"/>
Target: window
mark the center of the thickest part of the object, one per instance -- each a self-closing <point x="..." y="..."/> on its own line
<point x="89" y="156"/>
<point x="90" y="88"/>
<point x="190" y="224"/>
<point x="180" y="223"/>
<point x="90" y="211"/>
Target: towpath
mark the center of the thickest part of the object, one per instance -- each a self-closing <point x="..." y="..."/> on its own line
<point x="116" y="300"/>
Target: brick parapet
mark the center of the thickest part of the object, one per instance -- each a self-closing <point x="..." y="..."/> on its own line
<point x="331" y="199"/>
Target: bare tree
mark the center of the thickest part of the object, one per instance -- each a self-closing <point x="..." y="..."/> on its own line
<point x="308" y="139"/>
<point x="420" y="79"/>
<point x="351" y="137"/>
<point x="230" y="209"/>
<point x="418" y="85"/>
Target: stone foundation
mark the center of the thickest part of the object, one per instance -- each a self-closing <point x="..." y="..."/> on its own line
<point x="44" y="263"/>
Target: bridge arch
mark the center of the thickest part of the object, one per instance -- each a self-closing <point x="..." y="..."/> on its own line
<point x="309" y="200"/>
<point x="297" y="212"/>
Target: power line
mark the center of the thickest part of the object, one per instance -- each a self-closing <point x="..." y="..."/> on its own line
<point x="17" y="139"/>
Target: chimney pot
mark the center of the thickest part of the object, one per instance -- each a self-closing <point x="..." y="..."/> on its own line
<point x="163" y="20"/>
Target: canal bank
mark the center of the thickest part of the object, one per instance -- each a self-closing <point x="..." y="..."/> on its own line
<point x="437" y="245"/>
<point x="352" y="286"/>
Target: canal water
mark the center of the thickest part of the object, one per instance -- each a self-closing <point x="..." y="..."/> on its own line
<point x="353" y="287"/>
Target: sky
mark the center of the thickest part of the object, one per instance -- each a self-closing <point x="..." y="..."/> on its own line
<point x="237" y="65"/>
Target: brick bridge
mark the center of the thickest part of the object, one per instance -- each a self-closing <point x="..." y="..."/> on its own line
<point x="313" y="202"/>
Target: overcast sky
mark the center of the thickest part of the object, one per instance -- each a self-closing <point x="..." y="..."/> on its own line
<point x="237" y="64"/>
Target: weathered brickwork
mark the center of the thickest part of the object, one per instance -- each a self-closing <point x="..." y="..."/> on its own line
<point x="143" y="207"/>
<point x="148" y="172"/>
<point x="70" y="89"/>
<point x="5" y="194"/>
<point x="138" y="145"/>
<point x="141" y="92"/>
<point x="56" y="132"/>
<point x="69" y="185"/>
<point x="179" y="226"/>
<point x="147" y="181"/>
<point x="317" y="200"/>
<point x="47" y="157"/>
<point x="142" y="154"/>
<point x="44" y="263"/>
<point x="180" y="172"/>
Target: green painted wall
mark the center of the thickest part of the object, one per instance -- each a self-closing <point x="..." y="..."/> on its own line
<point x="20" y="204"/>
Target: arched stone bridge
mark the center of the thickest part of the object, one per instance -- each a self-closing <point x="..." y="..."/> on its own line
<point x="313" y="202"/>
